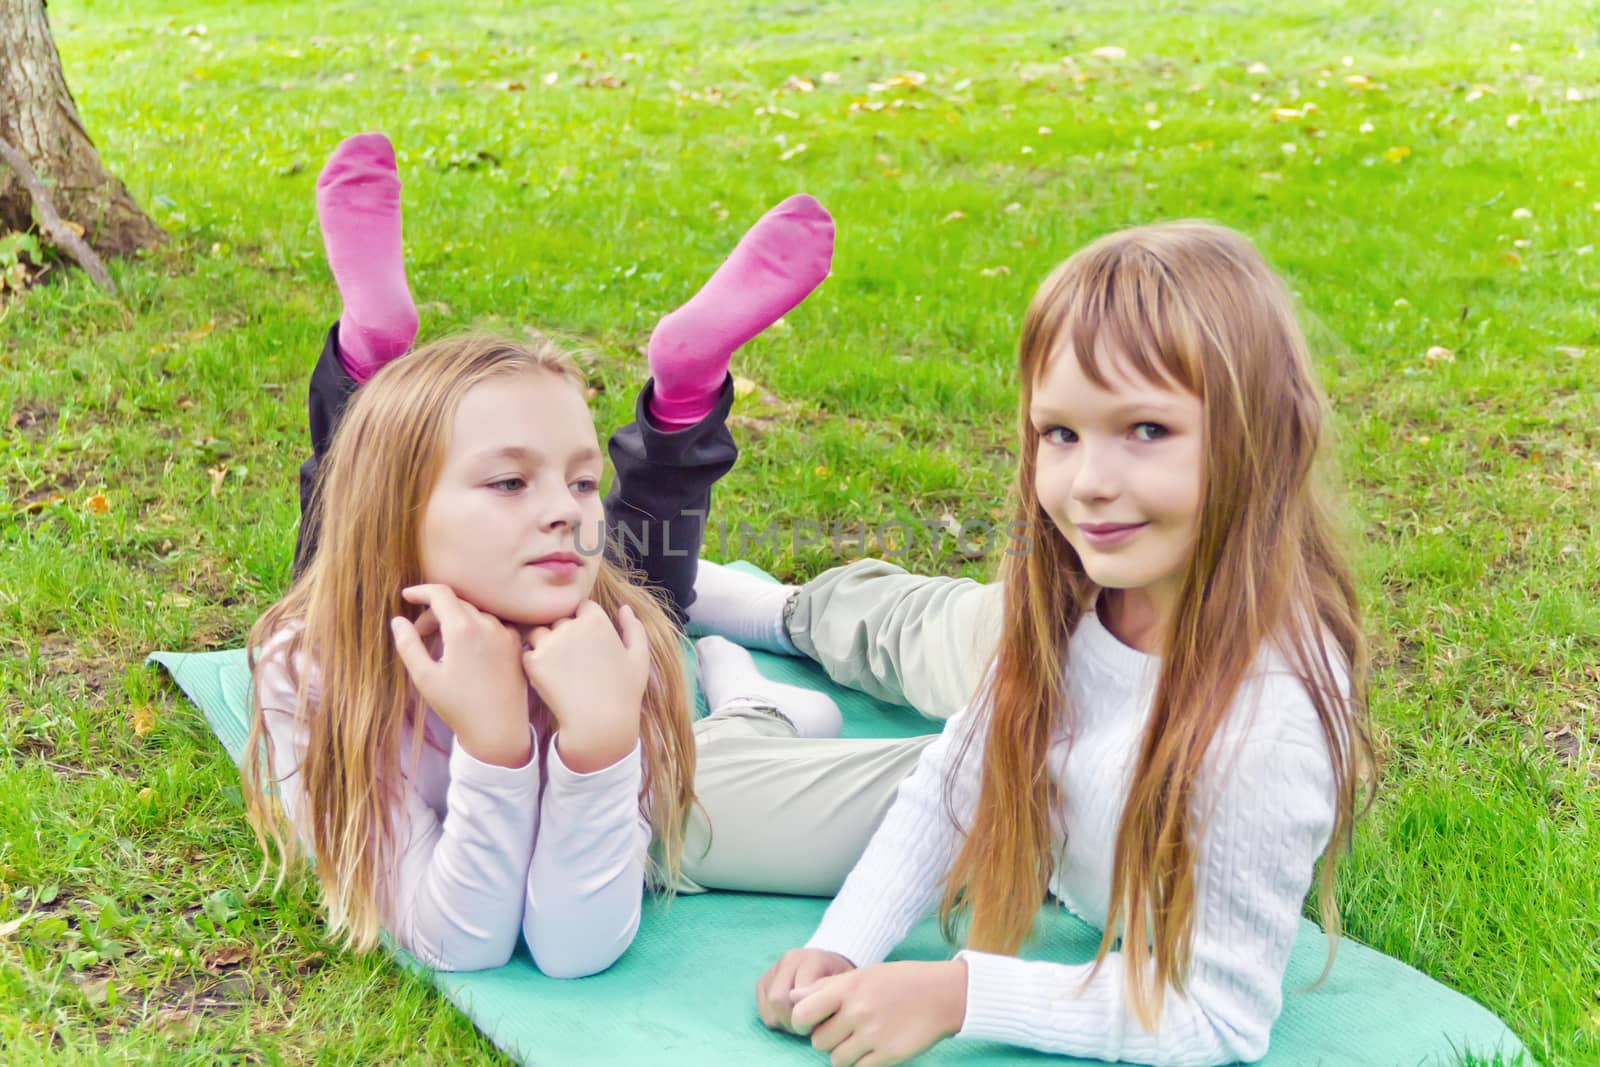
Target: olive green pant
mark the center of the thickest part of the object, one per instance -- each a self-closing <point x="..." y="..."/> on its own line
<point x="783" y="814"/>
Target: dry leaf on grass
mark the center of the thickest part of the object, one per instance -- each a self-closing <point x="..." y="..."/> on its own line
<point x="225" y="957"/>
<point x="144" y="720"/>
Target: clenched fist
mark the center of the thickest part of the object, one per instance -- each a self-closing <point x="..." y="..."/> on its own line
<point x="591" y="674"/>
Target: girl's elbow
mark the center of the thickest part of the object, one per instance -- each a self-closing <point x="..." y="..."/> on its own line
<point x="1240" y="1036"/>
<point x="467" y="955"/>
<point x="565" y="952"/>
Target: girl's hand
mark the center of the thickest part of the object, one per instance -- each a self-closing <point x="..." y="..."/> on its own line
<point x="796" y="969"/>
<point x="591" y="674"/>
<point x="884" y="1014"/>
<point x="475" y="684"/>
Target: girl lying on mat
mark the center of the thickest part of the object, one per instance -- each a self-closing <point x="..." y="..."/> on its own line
<point x="1172" y="730"/>
<point x="469" y="715"/>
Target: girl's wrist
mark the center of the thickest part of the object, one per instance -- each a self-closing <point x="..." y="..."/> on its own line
<point x="954" y="1002"/>
<point x="583" y="755"/>
<point x="504" y="747"/>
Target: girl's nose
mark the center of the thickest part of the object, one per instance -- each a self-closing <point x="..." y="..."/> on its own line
<point x="1095" y="476"/>
<point x="558" y="509"/>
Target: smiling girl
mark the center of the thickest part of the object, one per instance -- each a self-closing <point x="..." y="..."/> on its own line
<point x="1172" y="731"/>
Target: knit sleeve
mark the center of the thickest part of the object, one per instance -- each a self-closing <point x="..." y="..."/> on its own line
<point x="1264" y="818"/>
<point x="897" y="881"/>
<point x="454" y="895"/>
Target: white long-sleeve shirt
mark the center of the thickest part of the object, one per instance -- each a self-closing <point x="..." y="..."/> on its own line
<point x="481" y="857"/>
<point x="1264" y="810"/>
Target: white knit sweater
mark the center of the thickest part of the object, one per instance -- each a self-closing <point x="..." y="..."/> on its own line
<point x="1265" y="808"/>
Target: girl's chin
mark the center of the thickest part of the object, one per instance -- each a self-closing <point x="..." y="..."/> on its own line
<point x="545" y="610"/>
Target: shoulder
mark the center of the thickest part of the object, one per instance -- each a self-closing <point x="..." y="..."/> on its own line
<point x="277" y="667"/>
<point x="1273" y="745"/>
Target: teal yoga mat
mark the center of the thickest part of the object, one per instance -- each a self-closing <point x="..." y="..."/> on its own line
<point x="684" y="992"/>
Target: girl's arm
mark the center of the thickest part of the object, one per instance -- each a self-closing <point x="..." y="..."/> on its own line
<point x="455" y="892"/>
<point x="897" y="881"/>
<point x="1257" y="848"/>
<point x="586" y="880"/>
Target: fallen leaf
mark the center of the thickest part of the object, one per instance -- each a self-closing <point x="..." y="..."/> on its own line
<point x="98" y="504"/>
<point x="516" y="87"/>
<point x="1513" y="121"/>
<point x="743" y="387"/>
<point x="996" y="271"/>
<point x="144" y="720"/>
<point x="97" y="990"/>
<point x="820" y="471"/>
<point x="11" y="926"/>
<point x="1511" y="259"/>
<point x="1257" y="68"/>
<point x="1110" y="53"/>
<point x="217" y="476"/>
<point x="1522" y="213"/>
<point x="1357" y="81"/>
<point x="1284" y="114"/>
<point x="174" y="1017"/>
<point x="954" y="216"/>
<point x="796" y="84"/>
<point x="227" y="956"/>
<point x="1438" y="354"/>
<point x="789" y="153"/>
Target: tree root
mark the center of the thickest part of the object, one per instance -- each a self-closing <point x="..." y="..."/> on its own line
<point x="55" y="230"/>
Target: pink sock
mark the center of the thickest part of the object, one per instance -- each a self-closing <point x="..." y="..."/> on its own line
<point x="358" y="205"/>
<point x="775" y="266"/>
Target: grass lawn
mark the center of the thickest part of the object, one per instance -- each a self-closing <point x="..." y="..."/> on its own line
<point x="1425" y="177"/>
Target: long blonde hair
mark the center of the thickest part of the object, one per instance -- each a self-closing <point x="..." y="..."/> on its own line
<point x="1195" y="304"/>
<point x="375" y="480"/>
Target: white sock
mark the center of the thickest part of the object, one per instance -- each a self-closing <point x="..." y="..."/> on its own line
<point x="730" y="679"/>
<point x="740" y="607"/>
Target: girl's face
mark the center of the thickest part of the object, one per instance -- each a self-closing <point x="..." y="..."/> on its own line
<point x="1119" y="473"/>
<point x="514" y="524"/>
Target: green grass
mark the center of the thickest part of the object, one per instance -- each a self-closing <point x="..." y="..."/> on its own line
<point x="535" y="193"/>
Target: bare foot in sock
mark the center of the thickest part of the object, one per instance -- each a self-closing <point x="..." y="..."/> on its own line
<point x="358" y="207"/>
<point x="730" y="679"/>
<point x="786" y="255"/>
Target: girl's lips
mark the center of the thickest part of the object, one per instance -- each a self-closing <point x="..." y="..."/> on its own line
<point x="1105" y="534"/>
<point x="558" y="564"/>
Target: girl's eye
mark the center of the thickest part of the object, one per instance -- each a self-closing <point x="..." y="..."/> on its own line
<point x="1057" y="435"/>
<point x="585" y="486"/>
<point x="1149" y="431"/>
<point x="507" y="485"/>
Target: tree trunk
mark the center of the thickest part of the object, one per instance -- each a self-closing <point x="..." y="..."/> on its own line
<point x="38" y="116"/>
